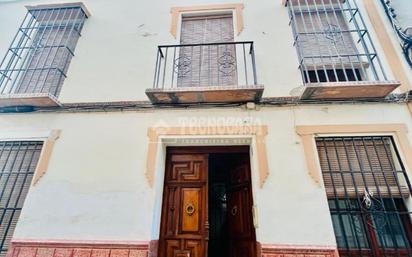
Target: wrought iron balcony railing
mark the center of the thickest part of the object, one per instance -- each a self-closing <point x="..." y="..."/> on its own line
<point x="204" y="65"/>
<point x="213" y="72"/>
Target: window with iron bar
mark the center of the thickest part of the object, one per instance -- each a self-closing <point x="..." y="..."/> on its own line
<point x="40" y="53"/>
<point x="368" y="194"/>
<point x="18" y="160"/>
<point x="332" y="42"/>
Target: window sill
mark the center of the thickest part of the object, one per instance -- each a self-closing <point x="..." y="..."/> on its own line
<point x="218" y="94"/>
<point x="29" y="99"/>
<point x="348" y="90"/>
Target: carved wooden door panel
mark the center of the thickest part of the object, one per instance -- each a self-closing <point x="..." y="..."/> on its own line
<point x="184" y="213"/>
<point x="240" y="215"/>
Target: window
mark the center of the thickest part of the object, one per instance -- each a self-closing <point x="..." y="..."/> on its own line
<point x="208" y="64"/>
<point x="368" y="193"/>
<point x="38" y="58"/>
<point x="332" y="42"/>
<point x="331" y="75"/>
<point x="18" y="160"/>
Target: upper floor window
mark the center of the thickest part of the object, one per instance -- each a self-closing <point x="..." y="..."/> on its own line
<point x="207" y="61"/>
<point x="40" y="53"/>
<point x="333" y="44"/>
<point x="368" y="194"/>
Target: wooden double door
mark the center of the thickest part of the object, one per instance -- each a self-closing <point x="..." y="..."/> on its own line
<point x="186" y="224"/>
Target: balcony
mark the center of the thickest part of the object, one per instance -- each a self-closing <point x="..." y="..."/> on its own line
<point x="337" y="56"/>
<point x="205" y="73"/>
<point x="34" y="68"/>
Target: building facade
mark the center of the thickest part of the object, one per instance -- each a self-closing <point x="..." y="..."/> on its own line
<point x="217" y="128"/>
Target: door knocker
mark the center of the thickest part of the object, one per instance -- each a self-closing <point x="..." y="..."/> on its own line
<point x="190" y="209"/>
<point x="234" y="210"/>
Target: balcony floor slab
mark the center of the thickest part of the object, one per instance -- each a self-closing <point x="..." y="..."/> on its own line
<point x="29" y="99"/>
<point x="221" y="94"/>
<point x="348" y="90"/>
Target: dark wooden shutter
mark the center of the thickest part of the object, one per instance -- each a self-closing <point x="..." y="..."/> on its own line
<point x="352" y="165"/>
<point x="18" y="162"/>
<point x="203" y="66"/>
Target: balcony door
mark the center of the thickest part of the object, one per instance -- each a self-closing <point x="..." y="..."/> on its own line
<point x="209" y="60"/>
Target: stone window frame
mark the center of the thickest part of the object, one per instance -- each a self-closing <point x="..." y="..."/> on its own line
<point x="48" y="137"/>
<point x="237" y="10"/>
<point x="308" y="133"/>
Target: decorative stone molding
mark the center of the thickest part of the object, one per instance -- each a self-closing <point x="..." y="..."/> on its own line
<point x="268" y="250"/>
<point x="153" y="248"/>
<point x="63" y="248"/>
<point x="237" y="8"/>
<point x="67" y="248"/>
<point x="308" y="133"/>
<point x="259" y="132"/>
<point x="45" y="155"/>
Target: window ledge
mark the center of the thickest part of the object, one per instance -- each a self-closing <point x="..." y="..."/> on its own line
<point x="349" y="90"/>
<point x="60" y="5"/>
<point x="213" y="94"/>
<point x="29" y="99"/>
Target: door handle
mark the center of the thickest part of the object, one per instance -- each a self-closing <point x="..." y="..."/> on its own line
<point x="190" y="209"/>
<point x="255" y="216"/>
<point x="234" y="210"/>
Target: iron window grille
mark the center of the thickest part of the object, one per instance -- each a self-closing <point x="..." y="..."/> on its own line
<point x="18" y="160"/>
<point x="332" y="42"/>
<point x="40" y="53"/>
<point x="368" y="194"/>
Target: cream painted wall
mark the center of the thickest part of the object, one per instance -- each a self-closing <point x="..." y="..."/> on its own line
<point x="96" y="188"/>
<point x="403" y="11"/>
<point x="115" y="57"/>
<point x="393" y="37"/>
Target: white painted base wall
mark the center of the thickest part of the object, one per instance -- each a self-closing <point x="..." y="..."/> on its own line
<point x="96" y="189"/>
